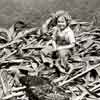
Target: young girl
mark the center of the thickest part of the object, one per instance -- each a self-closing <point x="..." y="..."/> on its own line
<point x="63" y="39"/>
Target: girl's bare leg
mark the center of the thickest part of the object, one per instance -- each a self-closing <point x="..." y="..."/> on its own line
<point x="64" y="60"/>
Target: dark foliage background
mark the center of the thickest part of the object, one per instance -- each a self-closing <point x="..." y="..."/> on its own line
<point x="37" y="11"/>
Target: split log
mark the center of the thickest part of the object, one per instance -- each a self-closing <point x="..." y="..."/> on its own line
<point x="77" y="76"/>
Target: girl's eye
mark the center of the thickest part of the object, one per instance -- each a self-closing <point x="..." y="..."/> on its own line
<point x="59" y="21"/>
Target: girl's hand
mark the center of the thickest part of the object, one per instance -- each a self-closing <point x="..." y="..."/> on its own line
<point x="59" y="48"/>
<point x="55" y="49"/>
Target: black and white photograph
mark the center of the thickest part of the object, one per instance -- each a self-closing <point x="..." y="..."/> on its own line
<point x="49" y="49"/>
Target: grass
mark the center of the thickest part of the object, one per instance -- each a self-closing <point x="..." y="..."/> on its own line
<point x="37" y="11"/>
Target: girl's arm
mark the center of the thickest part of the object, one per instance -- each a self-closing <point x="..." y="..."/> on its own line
<point x="45" y="25"/>
<point x="66" y="46"/>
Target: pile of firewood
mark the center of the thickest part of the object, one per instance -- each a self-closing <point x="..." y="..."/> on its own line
<point x="26" y="73"/>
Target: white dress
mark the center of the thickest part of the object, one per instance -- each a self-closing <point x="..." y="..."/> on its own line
<point x="63" y="38"/>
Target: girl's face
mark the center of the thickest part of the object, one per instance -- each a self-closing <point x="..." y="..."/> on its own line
<point x="61" y="23"/>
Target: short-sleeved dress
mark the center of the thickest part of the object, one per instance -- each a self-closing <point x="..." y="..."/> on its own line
<point x="63" y="38"/>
